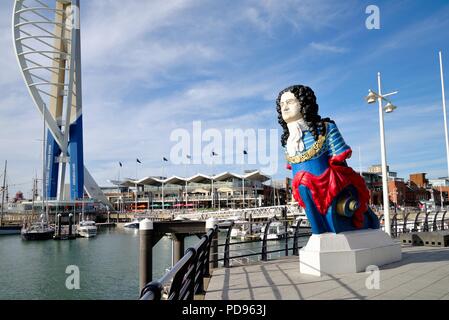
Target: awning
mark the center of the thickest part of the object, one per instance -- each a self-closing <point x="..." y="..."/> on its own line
<point x="200" y="178"/>
<point x="256" y="176"/>
<point x="226" y="175"/>
<point x="175" y="180"/>
<point x="199" y="190"/>
<point x="225" y="189"/>
<point x="150" y="181"/>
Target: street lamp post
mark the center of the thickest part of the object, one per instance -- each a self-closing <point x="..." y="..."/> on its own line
<point x="444" y="110"/>
<point x="389" y="107"/>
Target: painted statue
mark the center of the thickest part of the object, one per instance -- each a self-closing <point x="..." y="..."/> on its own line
<point x="333" y="195"/>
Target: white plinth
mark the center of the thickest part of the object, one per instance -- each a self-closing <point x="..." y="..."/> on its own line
<point x="347" y="252"/>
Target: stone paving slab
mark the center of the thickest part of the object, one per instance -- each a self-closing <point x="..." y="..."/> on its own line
<point x="423" y="273"/>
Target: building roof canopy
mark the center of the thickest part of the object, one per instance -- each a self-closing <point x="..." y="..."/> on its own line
<point x="257" y="176"/>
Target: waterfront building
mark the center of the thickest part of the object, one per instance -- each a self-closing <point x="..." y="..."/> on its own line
<point x="224" y="190"/>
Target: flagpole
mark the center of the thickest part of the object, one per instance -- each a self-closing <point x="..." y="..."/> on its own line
<point x="163" y="178"/>
<point x="243" y="180"/>
<point x="444" y="111"/>
<point x="135" y="209"/>
<point x="188" y="157"/>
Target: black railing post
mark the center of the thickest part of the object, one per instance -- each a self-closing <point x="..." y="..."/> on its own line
<point x="415" y="226"/>
<point x="213" y="262"/>
<point x="264" y="241"/>
<point x="426" y="222"/>
<point x="200" y="264"/>
<point x="442" y="220"/>
<point x="191" y="294"/>
<point x="226" y="248"/>
<point x="182" y="284"/>
<point x="284" y="216"/>
<point x="295" y="239"/>
<point x="434" y="224"/>
<point x="212" y="229"/>
<point x="404" y="226"/>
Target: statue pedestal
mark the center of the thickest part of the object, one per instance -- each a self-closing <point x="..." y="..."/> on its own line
<point x="347" y="252"/>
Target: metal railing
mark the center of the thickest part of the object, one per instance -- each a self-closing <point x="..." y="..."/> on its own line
<point x="258" y="212"/>
<point x="421" y="222"/>
<point x="186" y="277"/>
<point x="263" y="254"/>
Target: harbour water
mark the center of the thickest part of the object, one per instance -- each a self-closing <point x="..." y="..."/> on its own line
<point x="108" y="265"/>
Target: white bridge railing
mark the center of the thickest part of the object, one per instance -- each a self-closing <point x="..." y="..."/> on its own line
<point x="255" y="213"/>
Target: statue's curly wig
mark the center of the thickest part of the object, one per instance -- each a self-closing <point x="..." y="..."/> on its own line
<point x="309" y="110"/>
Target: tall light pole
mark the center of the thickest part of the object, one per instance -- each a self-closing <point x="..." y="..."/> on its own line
<point x="444" y="111"/>
<point x="371" y="98"/>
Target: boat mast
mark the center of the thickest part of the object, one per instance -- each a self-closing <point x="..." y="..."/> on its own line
<point x="33" y="192"/>
<point x="3" y="193"/>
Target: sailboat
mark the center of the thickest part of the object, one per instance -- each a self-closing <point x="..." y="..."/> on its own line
<point x="40" y="230"/>
<point x="6" y="229"/>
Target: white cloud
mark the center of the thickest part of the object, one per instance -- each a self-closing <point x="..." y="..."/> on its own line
<point x="322" y="47"/>
<point x="152" y="66"/>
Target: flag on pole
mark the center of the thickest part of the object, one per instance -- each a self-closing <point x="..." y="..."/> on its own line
<point x="138" y="160"/>
<point x="120" y="164"/>
<point x="165" y="159"/>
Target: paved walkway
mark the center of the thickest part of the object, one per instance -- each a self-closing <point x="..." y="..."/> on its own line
<point x="423" y="273"/>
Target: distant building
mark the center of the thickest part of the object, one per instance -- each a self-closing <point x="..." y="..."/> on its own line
<point x="443" y="182"/>
<point x="400" y="192"/>
<point x="224" y="190"/>
<point x="419" y="179"/>
<point x="377" y="168"/>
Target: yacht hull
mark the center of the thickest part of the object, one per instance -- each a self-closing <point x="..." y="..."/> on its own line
<point x="10" y="230"/>
<point x="43" y="235"/>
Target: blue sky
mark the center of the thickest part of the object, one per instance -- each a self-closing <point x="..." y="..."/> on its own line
<point x="150" y="67"/>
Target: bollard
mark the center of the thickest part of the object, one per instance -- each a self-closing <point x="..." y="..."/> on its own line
<point x="178" y="247"/>
<point x="59" y="225"/>
<point x="146" y="252"/>
<point x="213" y="255"/>
<point x="70" y="225"/>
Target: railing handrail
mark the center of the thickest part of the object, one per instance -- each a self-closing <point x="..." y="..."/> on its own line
<point x="186" y="276"/>
<point x="168" y="276"/>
